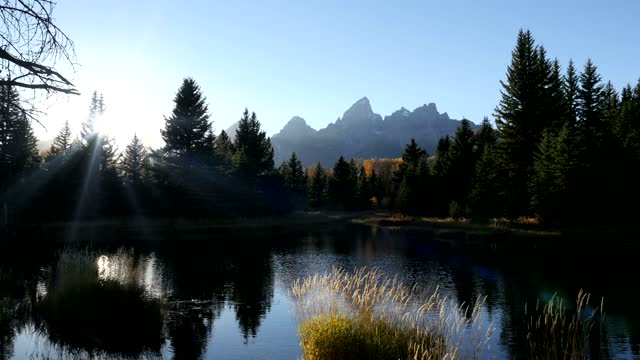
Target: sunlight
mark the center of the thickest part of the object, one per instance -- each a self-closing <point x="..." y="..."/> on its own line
<point x="104" y="269"/>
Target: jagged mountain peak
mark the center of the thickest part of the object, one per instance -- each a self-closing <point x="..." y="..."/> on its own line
<point x="361" y="109"/>
<point x="297" y="127"/>
<point x="361" y="133"/>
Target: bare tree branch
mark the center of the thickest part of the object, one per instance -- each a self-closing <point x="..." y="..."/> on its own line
<point x="30" y="46"/>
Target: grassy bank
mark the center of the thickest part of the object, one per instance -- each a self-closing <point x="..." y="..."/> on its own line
<point x="505" y="230"/>
<point x="522" y="226"/>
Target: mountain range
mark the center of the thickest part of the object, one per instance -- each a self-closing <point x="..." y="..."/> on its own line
<point x="361" y="133"/>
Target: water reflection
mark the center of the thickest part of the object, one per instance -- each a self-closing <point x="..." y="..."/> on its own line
<point x="226" y="295"/>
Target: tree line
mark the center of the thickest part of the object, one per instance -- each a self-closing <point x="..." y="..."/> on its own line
<point x="564" y="149"/>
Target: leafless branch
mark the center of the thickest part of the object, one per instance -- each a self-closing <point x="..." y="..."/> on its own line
<point x="30" y="46"/>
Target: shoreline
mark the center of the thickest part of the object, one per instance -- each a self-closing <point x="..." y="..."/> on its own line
<point x="445" y="229"/>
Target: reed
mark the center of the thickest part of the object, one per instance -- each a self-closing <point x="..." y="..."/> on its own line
<point x="367" y="314"/>
<point x="554" y="332"/>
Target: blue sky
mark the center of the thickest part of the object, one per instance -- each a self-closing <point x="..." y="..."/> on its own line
<point x="316" y="58"/>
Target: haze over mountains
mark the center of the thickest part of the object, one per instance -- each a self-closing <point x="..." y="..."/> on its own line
<point x="361" y="133"/>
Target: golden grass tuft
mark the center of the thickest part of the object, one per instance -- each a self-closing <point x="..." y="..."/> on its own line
<point x="554" y="333"/>
<point x="367" y="314"/>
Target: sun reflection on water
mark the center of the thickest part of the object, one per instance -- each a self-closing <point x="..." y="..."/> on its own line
<point x="145" y="271"/>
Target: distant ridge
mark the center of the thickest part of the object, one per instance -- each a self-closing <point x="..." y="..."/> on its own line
<point x="361" y="133"/>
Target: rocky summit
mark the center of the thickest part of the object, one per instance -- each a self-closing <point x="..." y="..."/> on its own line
<point x="361" y="133"/>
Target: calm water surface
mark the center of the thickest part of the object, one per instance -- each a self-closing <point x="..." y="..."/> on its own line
<point x="228" y="292"/>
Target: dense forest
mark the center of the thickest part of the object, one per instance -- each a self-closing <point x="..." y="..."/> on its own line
<point x="565" y="148"/>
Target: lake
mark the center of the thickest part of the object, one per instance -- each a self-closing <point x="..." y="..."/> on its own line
<point x="228" y="290"/>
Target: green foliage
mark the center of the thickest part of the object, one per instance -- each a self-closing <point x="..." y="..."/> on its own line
<point x="317" y="187"/>
<point x="109" y="157"/>
<point x="135" y="162"/>
<point x="412" y="180"/>
<point x="403" y="198"/>
<point x="186" y="131"/>
<point x="224" y="150"/>
<point x="486" y="197"/>
<point x="486" y="136"/>
<point x="61" y="143"/>
<point x="461" y="162"/>
<point x="570" y="90"/>
<point x="294" y="177"/>
<point x="343" y="184"/>
<point x="253" y="155"/>
<point x="18" y="145"/>
<point x="521" y="117"/>
<point x="365" y="190"/>
<point x="554" y="174"/>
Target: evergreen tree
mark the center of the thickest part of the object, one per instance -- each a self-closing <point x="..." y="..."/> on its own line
<point x="521" y="117"/>
<point x="253" y="155"/>
<point x="403" y="198"/>
<point x="590" y="106"/>
<point x="556" y="108"/>
<point x="26" y="147"/>
<point x="109" y="158"/>
<point x="554" y="174"/>
<point x="570" y="89"/>
<point x="317" y="187"/>
<point x="376" y="187"/>
<point x="187" y="131"/>
<point x="18" y="145"/>
<point x="343" y="184"/>
<point x="411" y="180"/>
<point x="485" y="198"/>
<point x="611" y="105"/>
<point x="96" y="110"/>
<point x="135" y="162"/>
<point x="442" y="152"/>
<point x="485" y="136"/>
<point x="224" y="150"/>
<point x="209" y="149"/>
<point x="461" y="167"/>
<point x="410" y="158"/>
<point x="364" y="190"/>
<point x="627" y="126"/>
<point x="294" y="177"/>
<point x="595" y="146"/>
<point x="61" y="143"/>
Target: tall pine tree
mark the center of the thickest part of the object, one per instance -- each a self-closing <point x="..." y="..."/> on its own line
<point x="135" y="162"/>
<point x="18" y="145"/>
<point x="253" y="156"/>
<point x="294" y="178"/>
<point x="343" y="185"/>
<point x="186" y="131"/>
<point x="521" y="117"/>
<point x="61" y="143"/>
<point x="317" y="186"/>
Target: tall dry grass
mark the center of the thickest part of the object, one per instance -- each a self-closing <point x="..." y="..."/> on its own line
<point x="369" y="315"/>
<point x="554" y="332"/>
